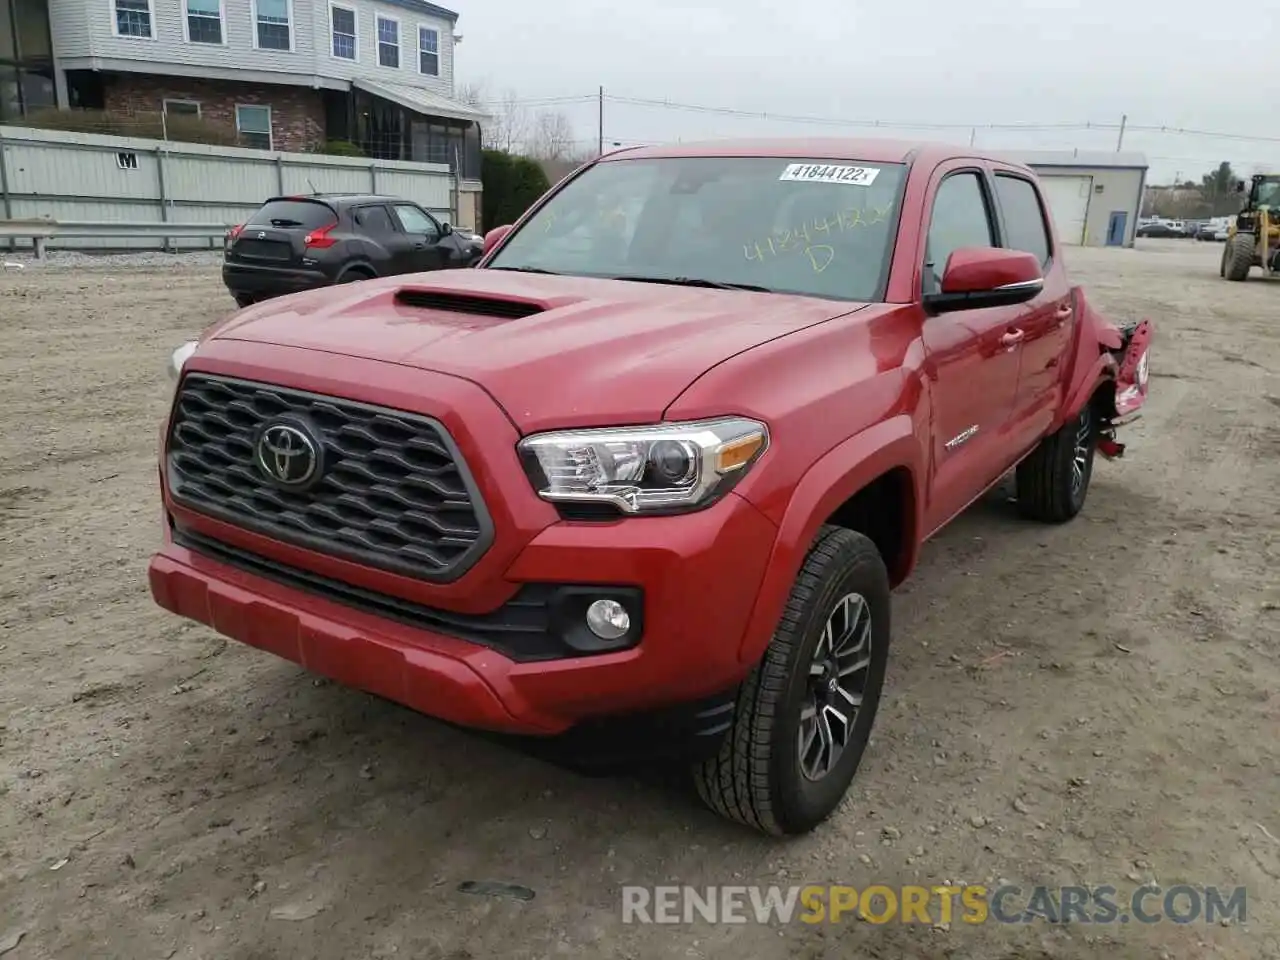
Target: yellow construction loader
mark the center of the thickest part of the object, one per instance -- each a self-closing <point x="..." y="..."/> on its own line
<point x="1253" y="239"/>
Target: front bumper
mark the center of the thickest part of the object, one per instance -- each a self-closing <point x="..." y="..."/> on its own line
<point x="699" y="574"/>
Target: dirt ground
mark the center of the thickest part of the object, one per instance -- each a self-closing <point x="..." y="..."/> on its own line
<point x="1102" y="700"/>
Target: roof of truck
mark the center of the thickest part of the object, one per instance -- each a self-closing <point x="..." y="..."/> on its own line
<point x="862" y="149"/>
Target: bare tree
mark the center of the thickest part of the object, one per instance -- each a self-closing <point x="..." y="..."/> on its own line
<point x="472" y="94"/>
<point x="509" y="129"/>
<point x="552" y="137"/>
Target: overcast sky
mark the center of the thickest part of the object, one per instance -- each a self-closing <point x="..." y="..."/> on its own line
<point x="1201" y="66"/>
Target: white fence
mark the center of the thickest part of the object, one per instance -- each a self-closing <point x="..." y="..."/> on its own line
<point x="85" y="177"/>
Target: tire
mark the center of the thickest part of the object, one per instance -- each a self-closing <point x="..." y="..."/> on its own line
<point x="243" y="300"/>
<point x="756" y="778"/>
<point x="1237" y="257"/>
<point x="354" y="275"/>
<point x="1053" y="481"/>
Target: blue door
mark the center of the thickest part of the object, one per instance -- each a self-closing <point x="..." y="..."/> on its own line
<point x="1116" y="228"/>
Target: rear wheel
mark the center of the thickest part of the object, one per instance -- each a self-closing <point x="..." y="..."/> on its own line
<point x="243" y="300"/>
<point x="1053" y="481"/>
<point x="354" y="275"/>
<point x="1237" y="257"/>
<point x="804" y="715"/>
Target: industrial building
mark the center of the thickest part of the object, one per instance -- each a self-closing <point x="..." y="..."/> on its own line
<point x="1095" y="197"/>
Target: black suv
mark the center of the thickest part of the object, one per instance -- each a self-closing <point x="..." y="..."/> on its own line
<point x="299" y="243"/>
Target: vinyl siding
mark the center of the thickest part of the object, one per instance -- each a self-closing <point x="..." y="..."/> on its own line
<point x="367" y="46"/>
<point x="85" y="29"/>
<point x="69" y="24"/>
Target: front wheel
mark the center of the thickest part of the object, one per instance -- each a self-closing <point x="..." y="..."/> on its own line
<point x="804" y="715"/>
<point x="1053" y="481"/>
<point x="1237" y="257"/>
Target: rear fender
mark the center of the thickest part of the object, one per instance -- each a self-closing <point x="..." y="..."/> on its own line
<point x="837" y="476"/>
<point x="1105" y="353"/>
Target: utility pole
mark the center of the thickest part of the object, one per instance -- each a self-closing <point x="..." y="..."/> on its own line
<point x="1120" y="139"/>
<point x="600" y="103"/>
<point x="973" y="135"/>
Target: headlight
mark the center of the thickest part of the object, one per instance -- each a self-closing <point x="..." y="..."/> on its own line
<point x="180" y="357"/>
<point x="665" y="468"/>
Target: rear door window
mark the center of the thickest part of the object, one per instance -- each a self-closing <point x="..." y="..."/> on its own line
<point x="1023" y="216"/>
<point x="374" y="220"/>
<point x="301" y="214"/>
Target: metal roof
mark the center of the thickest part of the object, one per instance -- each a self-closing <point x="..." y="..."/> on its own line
<point x="421" y="100"/>
<point x="1078" y="158"/>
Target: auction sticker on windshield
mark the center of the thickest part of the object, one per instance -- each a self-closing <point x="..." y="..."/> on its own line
<point x="830" y="173"/>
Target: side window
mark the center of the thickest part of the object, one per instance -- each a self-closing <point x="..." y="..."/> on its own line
<point x="1023" y="216"/>
<point x="960" y="219"/>
<point x="416" y="222"/>
<point x="373" y="220"/>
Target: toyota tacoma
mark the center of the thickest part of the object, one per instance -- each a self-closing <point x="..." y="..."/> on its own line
<point x="657" y="463"/>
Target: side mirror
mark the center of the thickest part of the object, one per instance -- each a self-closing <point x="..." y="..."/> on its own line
<point x="977" y="277"/>
<point x="494" y="236"/>
<point x="446" y="228"/>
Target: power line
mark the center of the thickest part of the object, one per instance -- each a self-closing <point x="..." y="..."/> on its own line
<point x="844" y="122"/>
<point x="814" y="120"/>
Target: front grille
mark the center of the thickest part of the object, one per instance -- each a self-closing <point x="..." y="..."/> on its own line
<point x="395" y="493"/>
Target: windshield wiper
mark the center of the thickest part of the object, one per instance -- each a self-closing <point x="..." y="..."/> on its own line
<point x="285" y="222"/>
<point x="698" y="282"/>
<point x="527" y="270"/>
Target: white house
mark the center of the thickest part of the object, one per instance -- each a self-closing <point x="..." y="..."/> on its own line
<point x="286" y="74"/>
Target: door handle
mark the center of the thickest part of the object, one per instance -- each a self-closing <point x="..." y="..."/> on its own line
<point x="1062" y="314"/>
<point x="419" y="246"/>
<point x="1012" y="338"/>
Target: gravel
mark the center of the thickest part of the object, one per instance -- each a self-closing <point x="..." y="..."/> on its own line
<point x="143" y="260"/>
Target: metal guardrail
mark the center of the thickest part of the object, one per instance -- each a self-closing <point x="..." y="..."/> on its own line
<point x="41" y="231"/>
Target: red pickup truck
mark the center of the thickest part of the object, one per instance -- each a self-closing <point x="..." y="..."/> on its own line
<point x="650" y="470"/>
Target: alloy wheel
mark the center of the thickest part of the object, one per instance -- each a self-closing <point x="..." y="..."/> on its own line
<point x="1080" y="455"/>
<point x="835" y="685"/>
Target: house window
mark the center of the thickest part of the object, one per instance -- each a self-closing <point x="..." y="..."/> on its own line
<point x="428" y="51"/>
<point x="181" y="108"/>
<point x="204" y="21"/>
<point x="253" y="123"/>
<point x="388" y="42"/>
<point x="133" y="18"/>
<point x="273" y="25"/>
<point x="342" y="21"/>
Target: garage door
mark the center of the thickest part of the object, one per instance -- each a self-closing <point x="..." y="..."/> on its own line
<point x="1068" y="198"/>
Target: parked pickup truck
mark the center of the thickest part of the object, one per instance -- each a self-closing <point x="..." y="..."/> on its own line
<point x="654" y="466"/>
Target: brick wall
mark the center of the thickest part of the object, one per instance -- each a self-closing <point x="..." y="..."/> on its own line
<point x="297" y="113"/>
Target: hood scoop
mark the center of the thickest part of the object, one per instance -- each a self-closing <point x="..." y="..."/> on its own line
<point x="475" y="305"/>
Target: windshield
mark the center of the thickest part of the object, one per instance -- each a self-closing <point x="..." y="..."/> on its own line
<point x="816" y="227"/>
<point x="1269" y="193"/>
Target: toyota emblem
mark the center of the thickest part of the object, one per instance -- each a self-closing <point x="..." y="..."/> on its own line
<point x="288" y="455"/>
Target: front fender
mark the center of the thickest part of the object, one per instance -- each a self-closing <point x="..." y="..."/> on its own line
<point x="833" y="479"/>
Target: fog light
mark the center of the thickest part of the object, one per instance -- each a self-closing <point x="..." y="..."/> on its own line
<point x="608" y="619"/>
